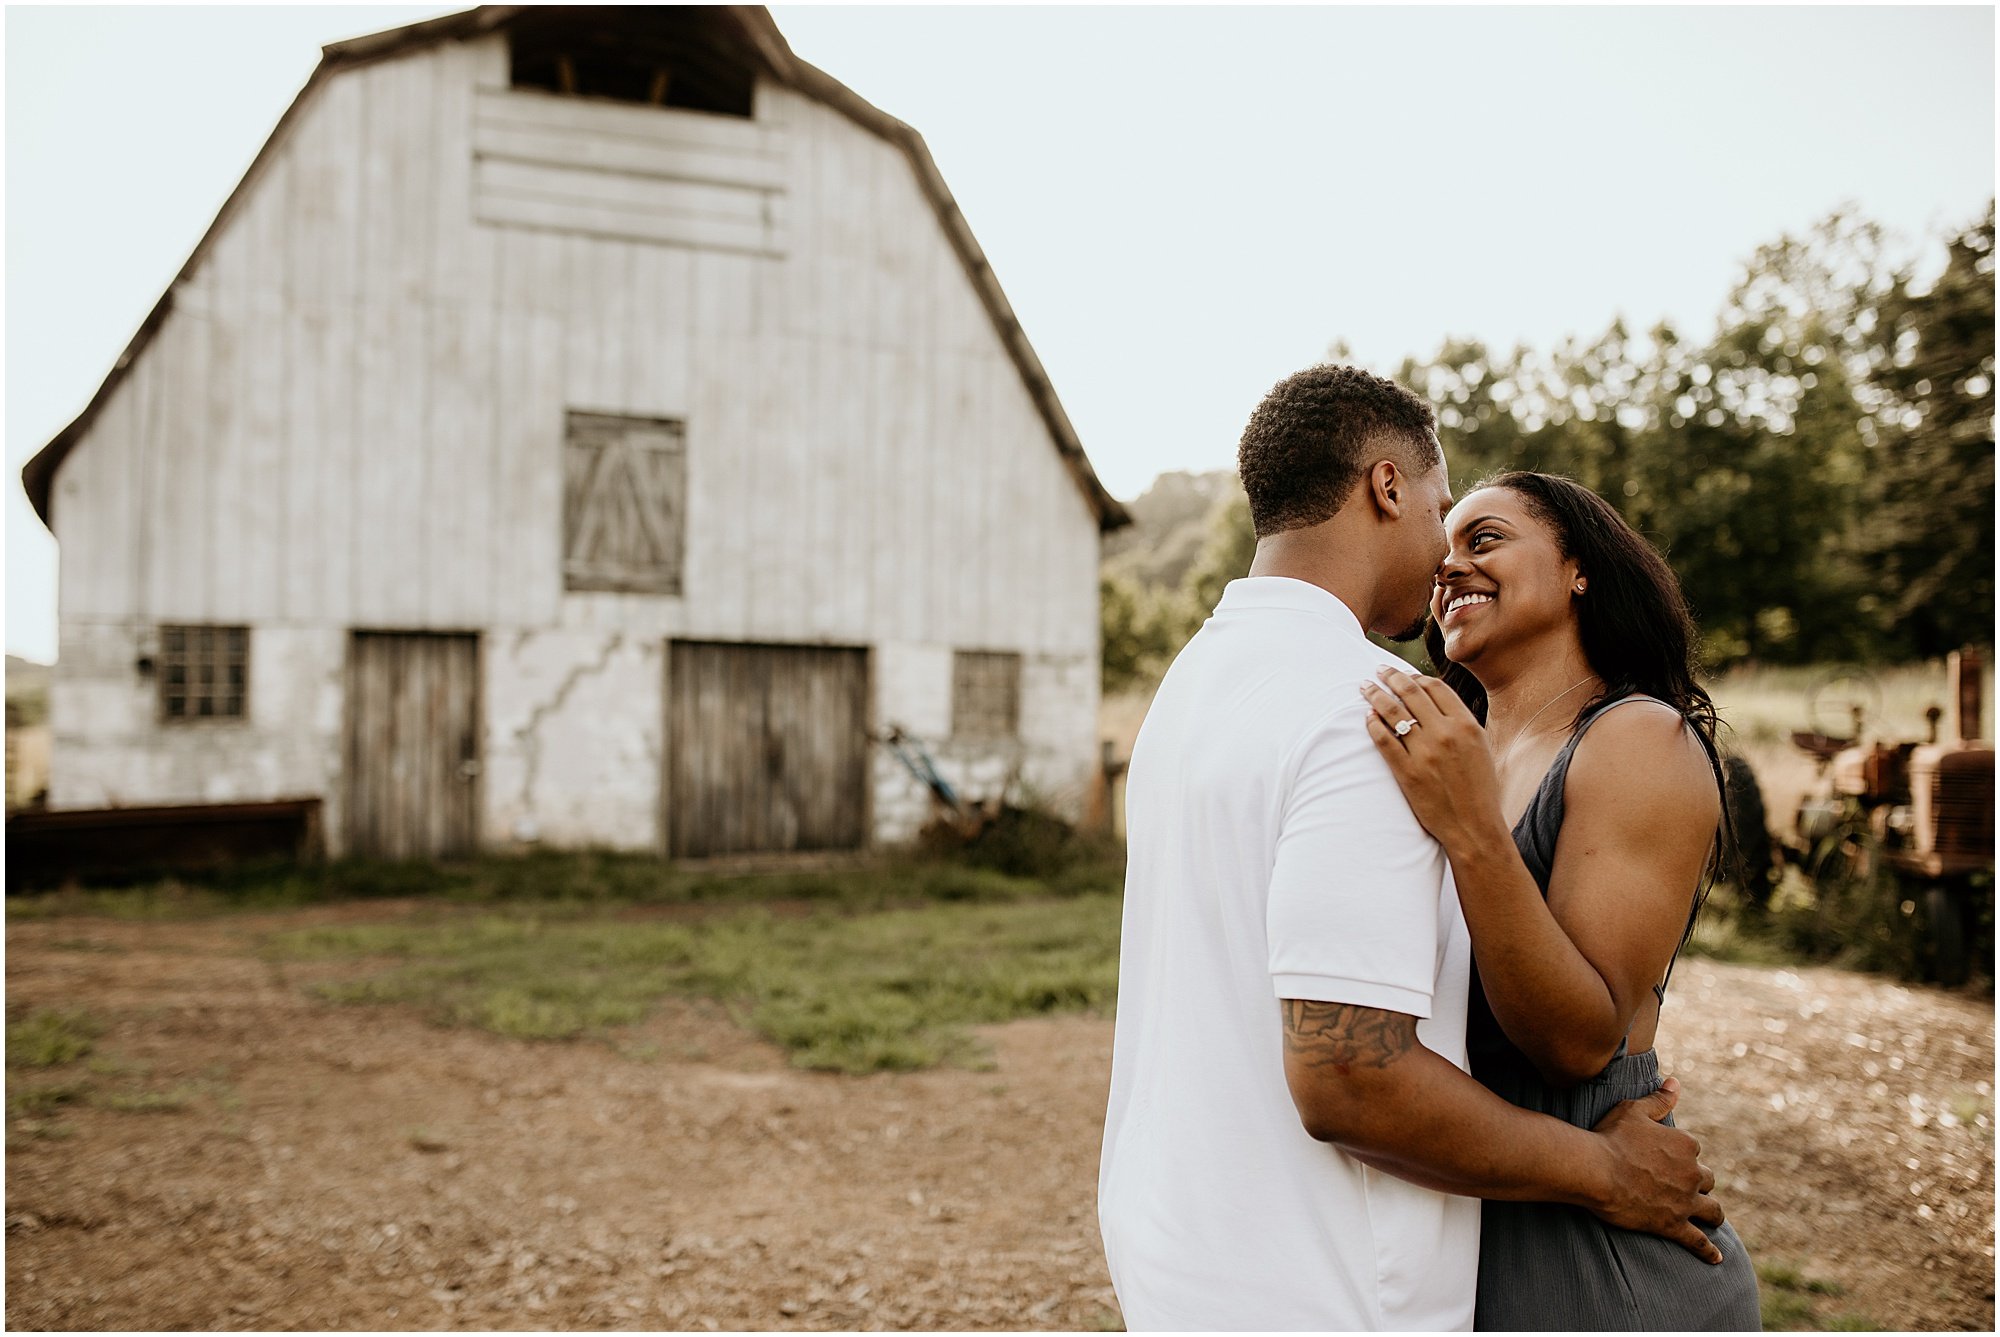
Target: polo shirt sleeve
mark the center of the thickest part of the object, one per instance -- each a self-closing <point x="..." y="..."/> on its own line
<point x="1353" y="911"/>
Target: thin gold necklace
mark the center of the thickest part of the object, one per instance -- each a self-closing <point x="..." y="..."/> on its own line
<point x="1515" y="742"/>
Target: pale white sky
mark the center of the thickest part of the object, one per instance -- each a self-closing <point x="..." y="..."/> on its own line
<point x="1183" y="204"/>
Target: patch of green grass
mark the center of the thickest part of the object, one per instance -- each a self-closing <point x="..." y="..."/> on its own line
<point x="1787" y="1277"/>
<point x="1784" y="1311"/>
<point x="114" y="1066"/>
<point x="26" y="1132"/>
<point x="165" y="899"/>
<point x="48" y="1038"/>
<point x="1728" y="931"/>
<point x="1731" y="929"/>
<point x="523" y="975"/>
<point x="1023" y="860"/>
<point x="839" y="990"/>
<point x="1784" y="1276"/>
<point x="35" y="1101"/>
<point x="1789" y="1300"/>
<point x="895" y="990"/>
<point x="1969" y="1107"/>
<point x="638" y="1051"/>
<point x="1849" y="1321"/>
<point x="1864" y="924"/>
<point x="134" y="1098"/>
<point x="145" y="1102"/>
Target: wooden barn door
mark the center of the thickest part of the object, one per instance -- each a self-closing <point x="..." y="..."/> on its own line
<point x="412" y="744"/>
<point x="767" y="749"/>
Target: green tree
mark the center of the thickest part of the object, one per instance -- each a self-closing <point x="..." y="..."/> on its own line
<point x="1788" y="376"/>
<point x="1740" y="482"/>
<point x="1819" y="472"/>
<point x="1226" y="552"/>
<point x="1927" y="513"/>
<point x="1746" y="459"/>
<point x="1139" y="627"/>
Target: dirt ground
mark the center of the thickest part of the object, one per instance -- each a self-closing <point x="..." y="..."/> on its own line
<point x="357" y="1168"/>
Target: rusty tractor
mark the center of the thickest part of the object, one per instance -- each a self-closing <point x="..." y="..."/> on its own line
<point x="1909" y="821"/>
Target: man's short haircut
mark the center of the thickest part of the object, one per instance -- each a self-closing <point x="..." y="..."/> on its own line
<point x="1315" y="435"/>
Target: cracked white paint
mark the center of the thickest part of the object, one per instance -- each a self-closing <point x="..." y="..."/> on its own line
<point x="572" y="739"/>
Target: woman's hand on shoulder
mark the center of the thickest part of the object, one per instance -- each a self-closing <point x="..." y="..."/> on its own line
<point x="1440" y="757"/>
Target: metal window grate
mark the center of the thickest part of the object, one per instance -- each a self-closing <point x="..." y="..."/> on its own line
<point x="985" y="694"/>
<point x="204" y="673"/>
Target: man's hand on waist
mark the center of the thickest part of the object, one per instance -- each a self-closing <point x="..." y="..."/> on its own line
<point x="1654" y="1180"/>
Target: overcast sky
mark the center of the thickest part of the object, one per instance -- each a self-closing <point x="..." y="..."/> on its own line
<point x="1183" y="205"/>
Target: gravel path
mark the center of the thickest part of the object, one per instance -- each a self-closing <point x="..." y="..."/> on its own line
<point x="355" y="1168"/>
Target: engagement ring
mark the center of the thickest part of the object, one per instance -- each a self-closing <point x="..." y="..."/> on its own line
<point x="1403" y="728"/>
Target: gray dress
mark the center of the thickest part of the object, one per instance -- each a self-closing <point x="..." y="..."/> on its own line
<point x="1548" y="1266"/>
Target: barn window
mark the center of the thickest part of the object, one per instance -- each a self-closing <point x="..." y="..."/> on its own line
<point x="204" y="673"/>
<point x="985" y="694"/>
<point x="624" y="485"/>
<point x="676" y="58"/>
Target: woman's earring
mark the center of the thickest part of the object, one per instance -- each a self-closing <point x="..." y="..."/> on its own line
<point x="1579" y="587"/>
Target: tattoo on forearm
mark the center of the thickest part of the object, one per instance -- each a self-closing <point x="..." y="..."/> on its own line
<point x="1341" y="1035"/>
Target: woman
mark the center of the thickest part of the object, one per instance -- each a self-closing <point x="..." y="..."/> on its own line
<point x="1581" y="823"/>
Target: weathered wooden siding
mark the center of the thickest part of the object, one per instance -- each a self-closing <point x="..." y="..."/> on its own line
<point x="355" y="410"/>
<point x="353" y="416"/>
<point x="412" y="760"/>
<point x="768" y="749"/>
<point x="622" y="173"/>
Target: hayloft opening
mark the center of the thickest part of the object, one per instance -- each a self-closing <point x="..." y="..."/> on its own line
<point x="681" y="58"/>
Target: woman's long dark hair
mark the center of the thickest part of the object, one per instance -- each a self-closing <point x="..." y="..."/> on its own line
<point x="1633" y="621"/>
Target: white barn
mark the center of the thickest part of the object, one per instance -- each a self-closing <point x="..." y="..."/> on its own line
<point x="584" y="426"/>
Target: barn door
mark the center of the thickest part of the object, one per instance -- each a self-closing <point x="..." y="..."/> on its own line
<point x="412" y="744"/>
<point x="767" y="750"/>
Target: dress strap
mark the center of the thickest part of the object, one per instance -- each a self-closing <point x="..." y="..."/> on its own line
<point x="1558" y="773"/>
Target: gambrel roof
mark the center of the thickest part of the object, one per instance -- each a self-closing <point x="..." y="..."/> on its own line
<point x="753" y="25"/>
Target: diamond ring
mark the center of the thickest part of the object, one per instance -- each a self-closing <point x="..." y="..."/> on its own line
<point x="1403" y="728"/>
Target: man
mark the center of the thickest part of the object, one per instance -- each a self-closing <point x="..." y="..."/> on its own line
<point x="1292" y="1140"/>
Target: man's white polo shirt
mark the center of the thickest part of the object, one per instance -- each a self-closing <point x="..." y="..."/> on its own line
<point x="1271" y="855"/>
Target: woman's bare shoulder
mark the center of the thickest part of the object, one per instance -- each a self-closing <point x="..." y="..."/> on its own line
<point x="1647" y="750"/>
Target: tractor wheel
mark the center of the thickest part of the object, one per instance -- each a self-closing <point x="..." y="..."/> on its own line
<point x="1755" y="871"/>
<point x="1840" y="700"/>
<point x="1844" y="868"/>
<point x="1944" y="935"/>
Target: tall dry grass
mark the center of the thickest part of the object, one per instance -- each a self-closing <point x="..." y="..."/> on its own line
<point x="1764" y="705"/>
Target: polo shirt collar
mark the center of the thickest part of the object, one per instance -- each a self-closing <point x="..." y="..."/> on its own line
<point x="1283" y="592"/>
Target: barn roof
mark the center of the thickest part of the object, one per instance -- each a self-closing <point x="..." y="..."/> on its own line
<point x="754" y="24"/>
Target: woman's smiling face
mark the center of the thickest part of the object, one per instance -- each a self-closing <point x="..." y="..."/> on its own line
<point x="1505" y="578"/>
